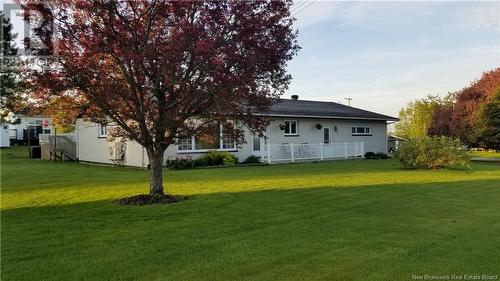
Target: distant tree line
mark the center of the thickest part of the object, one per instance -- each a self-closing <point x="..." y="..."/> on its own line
<point x="471" y="114"/>
<point x="12" y="98"/>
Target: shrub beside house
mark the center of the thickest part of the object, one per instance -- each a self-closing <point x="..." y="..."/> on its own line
<point x="432" y="153"/>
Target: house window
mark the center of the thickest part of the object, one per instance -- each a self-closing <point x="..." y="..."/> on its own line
<point x="291" y="128"/>
<point x="102" y="131"/>
<point x="216" y="139"/>
<point x="227" y="140"/>
<point x="211" y="140"/>
<point x="361" y="131"/>
<point x="186" y="144"/>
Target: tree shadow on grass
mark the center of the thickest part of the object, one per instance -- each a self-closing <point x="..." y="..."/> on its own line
<point x="378" y="232"/>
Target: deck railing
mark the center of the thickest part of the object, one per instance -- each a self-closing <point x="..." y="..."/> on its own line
<point x="291" y="152"/>
<point x="60" y="147"/>
<point x="45" y="138"/>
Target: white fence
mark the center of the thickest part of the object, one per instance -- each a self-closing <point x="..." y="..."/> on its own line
<point x="291" y="152"/>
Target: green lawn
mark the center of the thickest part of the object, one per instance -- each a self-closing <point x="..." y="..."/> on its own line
<point x="344" y="220"/>
<point x="485" y="154"/>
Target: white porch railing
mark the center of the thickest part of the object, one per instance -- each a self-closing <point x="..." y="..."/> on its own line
<point x="291" y="152"/>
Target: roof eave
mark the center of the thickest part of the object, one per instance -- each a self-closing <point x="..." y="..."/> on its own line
<point x="388" y="118"/>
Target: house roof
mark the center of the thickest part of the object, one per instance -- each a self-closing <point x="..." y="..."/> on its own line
<point x="322" y="109"/>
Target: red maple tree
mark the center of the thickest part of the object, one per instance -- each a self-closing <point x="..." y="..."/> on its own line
<point x="165" y="70"/>
<point x="467" y="108"/>
<point x="441" y="121"/>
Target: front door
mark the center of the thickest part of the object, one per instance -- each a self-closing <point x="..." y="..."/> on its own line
<point x="326" y="135"/>
<point x="256" y="145"/>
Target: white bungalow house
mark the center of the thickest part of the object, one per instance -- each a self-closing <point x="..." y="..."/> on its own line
<point x="299" y="130"/>
<point x="27" y="126"/>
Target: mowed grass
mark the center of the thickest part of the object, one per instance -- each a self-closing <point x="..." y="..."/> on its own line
<point x="344" y="220"/>
<point x="485" y="154"/>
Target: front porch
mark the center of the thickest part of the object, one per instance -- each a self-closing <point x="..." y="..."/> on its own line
<point x="291" y="152"/>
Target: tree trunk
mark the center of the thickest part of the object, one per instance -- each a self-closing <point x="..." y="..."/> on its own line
<point x="156" y="167"/>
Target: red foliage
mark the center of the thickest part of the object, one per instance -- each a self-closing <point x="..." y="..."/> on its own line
<point x="468" y="104"/>
<point x="154" y="67"/>
<point x="441" y="121"/>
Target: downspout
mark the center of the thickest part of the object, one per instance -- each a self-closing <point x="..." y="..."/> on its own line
<point x="142" y="156"/>
<point x="77" y="142"/>
<point x="387" y="135"/>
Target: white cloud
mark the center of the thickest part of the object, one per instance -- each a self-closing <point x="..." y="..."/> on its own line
<point x="460" y="15"/>
<point x="478" y="16"/>
<point x="311" y="12"/>
<point x="386" y="87"/>
<point x="343" y="13"/>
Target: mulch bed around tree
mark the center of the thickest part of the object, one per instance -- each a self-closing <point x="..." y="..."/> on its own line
<point x="147" y="199"/>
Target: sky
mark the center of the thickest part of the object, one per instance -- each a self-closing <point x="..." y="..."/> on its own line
<point x="385" y="54"/>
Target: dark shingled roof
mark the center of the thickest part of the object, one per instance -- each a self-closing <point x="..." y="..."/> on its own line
<point x="317" y="109"/>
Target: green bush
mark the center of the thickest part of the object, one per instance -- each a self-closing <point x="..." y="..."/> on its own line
<point x="179" y="163"/>
<point x="218" y="158"/>
<point x="381" y="155"/>
<point x="252" y="159"/>
<point x="201" y="162"/>
<point x="378" y="155"/>
<point x="229" y="160"/>
<point x="212" y="158"/>
<point x="370" y="155"/>
<point x="431" y="153"/>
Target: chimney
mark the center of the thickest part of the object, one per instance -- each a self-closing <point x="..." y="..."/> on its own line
<point x="295" y="97"/>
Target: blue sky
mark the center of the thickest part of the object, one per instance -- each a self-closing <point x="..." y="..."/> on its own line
<point x="384" y="54"/>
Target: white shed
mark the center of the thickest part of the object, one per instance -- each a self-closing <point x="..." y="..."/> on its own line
<point x="4" y="135"/>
